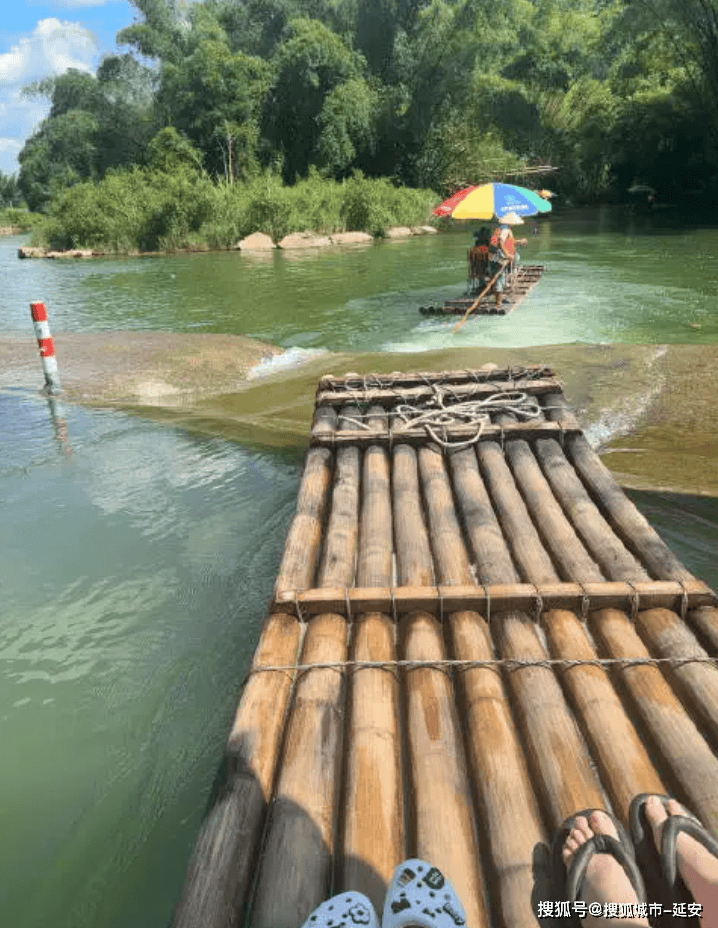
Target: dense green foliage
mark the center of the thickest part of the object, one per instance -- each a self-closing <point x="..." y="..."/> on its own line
<point x="147" y="209"/>
<point x="425" y="93"/>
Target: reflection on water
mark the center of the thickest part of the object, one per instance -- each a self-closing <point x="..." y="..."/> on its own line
<point x="136" y="560"/>
<point x="134" y="576"/>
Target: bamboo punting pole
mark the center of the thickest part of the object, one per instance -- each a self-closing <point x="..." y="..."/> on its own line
<point x="615" y="560"/>
<point x="685" y="753"/>
<point x="222" y="866"/>
<point x="622" y="760"/>
<point x="476" y="302"/>
<point x="633" y="529"/>
<point x="373" y="833"/>
<point x="667" y="636"/>
<point x="442" y="810"/>
<point x="295" y="872"/>
<point x="509" y="811"/>
<point x="558" y="535"/>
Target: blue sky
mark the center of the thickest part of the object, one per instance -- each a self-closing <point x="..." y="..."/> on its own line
<point x="42" y="38"/>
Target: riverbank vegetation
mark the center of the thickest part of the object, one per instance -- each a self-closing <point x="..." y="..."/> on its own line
<point x="280" y="110"/>
<point x="148" y="209"/>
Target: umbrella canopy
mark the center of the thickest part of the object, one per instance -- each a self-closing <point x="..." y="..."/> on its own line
<point x="489" y="200"/>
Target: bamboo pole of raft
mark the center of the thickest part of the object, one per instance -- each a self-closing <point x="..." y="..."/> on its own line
<point x="704" y="621"/>
<point x="373" y="832"/>
<point x="687" y="757"/>
<point x="612" y="556"/>
<point x="295" y="870"/>
<point x="559" y="536"/>
<point x="442" y="810"/>
<point x="666" y="635"/>
<point x="621" y="756"/>
<point x="222" y="867"/>
<point x="476" y="302"/>
<point x="556" y="749"/>
<point x="508" y="807"/>
<point x="625" y="766"/>
<point x="628" y="523"/>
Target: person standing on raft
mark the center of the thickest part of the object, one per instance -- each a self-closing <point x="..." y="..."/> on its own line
<point x="502" y="251"/>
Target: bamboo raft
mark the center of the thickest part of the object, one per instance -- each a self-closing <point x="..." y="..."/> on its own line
<point x="524" y="281"/>
<point x="474" y="633"/>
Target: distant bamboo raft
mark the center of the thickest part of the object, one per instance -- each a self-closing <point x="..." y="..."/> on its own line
<point x="525" y="279"/>
<point x="474" y="633"/>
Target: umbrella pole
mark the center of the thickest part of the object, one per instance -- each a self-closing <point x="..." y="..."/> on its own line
<point x="478" y="299"/>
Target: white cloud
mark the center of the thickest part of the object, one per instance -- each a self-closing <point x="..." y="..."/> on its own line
<point x="74" y="4"/>
<point x="51" y="48"/>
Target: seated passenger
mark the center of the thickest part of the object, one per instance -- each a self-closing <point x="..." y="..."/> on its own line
<point x="478" y="259"/>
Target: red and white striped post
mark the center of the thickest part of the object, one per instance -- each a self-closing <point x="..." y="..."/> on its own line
<point x="46" y="345"/>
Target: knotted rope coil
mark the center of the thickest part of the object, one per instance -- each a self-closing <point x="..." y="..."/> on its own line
<point x="434" y="414"/>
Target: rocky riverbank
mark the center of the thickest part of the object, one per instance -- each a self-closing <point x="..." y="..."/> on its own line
<point x="258" y="241"/>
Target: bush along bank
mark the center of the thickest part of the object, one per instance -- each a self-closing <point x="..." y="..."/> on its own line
<point x="143" y="210"/>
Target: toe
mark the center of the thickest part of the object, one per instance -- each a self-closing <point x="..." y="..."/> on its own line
<point x="656" y="812"/>
<point x="656" y="815"/>
<point x="675" y="808"/>
<point x="581" y="825"/>
<point x="602" y="824"/>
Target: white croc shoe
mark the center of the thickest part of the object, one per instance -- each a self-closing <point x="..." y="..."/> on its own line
<point x="349" y="910"/>
<point x="420" y="895"/>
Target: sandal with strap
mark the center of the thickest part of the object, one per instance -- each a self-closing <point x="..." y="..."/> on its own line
<point x="421" y="896"/>
<point x="347" y="910"/>
<point x="672" y="827"/>
<point x="571" y="877"/>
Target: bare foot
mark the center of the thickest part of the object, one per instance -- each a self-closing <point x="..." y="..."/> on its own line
<point x="606" y="881"/>
<point x="697" y="866"/>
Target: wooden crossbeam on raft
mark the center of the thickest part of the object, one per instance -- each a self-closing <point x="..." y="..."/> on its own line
<point x="437" y="600"/>
<point x="417" y="435"/>
<point x="409" y="379"/>
<point x="391" y="395"/>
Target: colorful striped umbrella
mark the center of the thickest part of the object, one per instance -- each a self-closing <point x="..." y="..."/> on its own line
<point x="490" y="200"/>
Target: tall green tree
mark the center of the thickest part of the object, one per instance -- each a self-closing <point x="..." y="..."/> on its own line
<point x="309" y="67"/>
<point x="215" y="97"/>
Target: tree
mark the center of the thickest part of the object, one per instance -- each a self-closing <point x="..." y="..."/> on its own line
<point x="346" y="124"/>
<point x="163" y="33"/>
<point x="170" y="151"/>
<point x="215" y="98"/>
<point x="61" y="153"/>
<point x="310" y="63"/>
<point x="10" y="193"/>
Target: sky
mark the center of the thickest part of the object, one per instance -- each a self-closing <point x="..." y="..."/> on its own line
<point x="39" y="38"/>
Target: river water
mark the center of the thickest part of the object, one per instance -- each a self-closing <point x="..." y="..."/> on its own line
<point x="136" y="559"/>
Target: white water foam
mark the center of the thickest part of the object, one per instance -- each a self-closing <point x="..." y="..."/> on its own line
<point x="622" y="418"/>
<point x="291" y="358"/>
